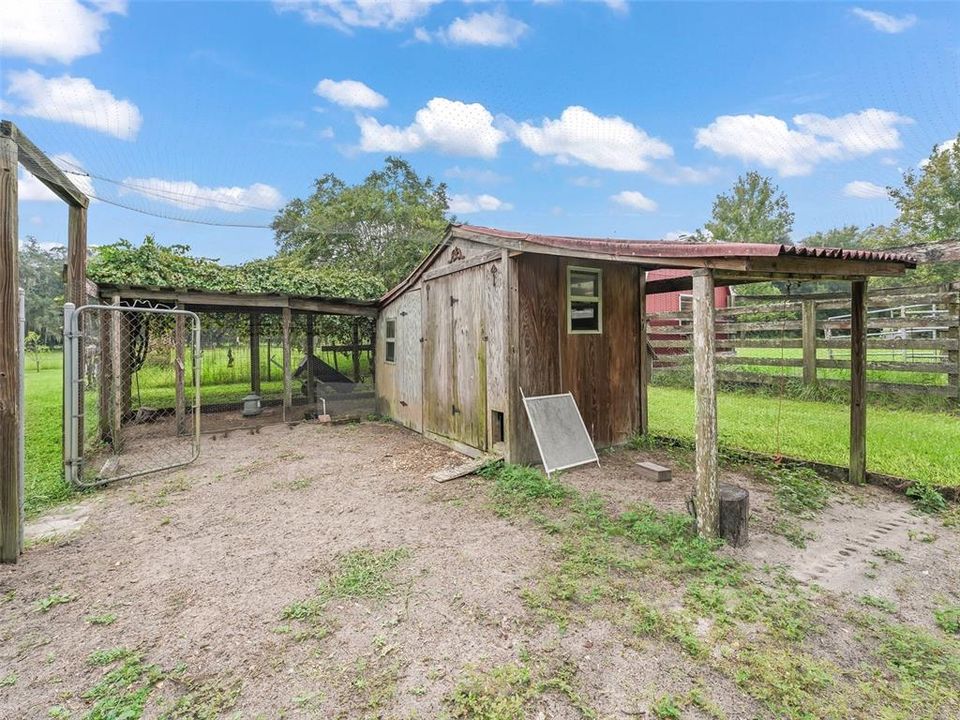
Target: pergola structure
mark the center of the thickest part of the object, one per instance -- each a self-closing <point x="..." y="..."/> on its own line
<point x="16" y="148"/>
<point x="254" y="306"/>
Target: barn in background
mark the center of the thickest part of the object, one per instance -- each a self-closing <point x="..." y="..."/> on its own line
<point x="490" y="315"/>
<point x="676" y="301"/>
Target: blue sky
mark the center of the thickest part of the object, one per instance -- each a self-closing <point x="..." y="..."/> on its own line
<point x="599" y="118"/>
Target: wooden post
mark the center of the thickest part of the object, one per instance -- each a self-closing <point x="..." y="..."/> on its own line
<point x="255" y="353"/>
<point x="308" y="349"/>
<point x="809" y="330"/>
<point x="178" y="341"/>
<point x="511" y="334"/>
<point x="953" y="356"/>
<point x="10" y="378"/>
<point x="707" y="499"/>
<point x="356" y="350"/>
<point x="117" y="374"/>
<point x="644" y="356"/>
<point x="287" y="380"/>
<point x="734" y="515"/>
<point x="75" y="291"/>
<point x="858" y="382"/>
<point x="105" y="381"/>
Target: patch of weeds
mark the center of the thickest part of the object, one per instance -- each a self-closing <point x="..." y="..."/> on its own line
<point x="951" y="517"/>
<point x="888" y="554"/>
<point x="58" y="712"/>
<point x="125" y="688"/>
<point x="793" y="532"/>
<point x="373" y="687"/>
<point x="104" y="619"/>
<point x="8" y="680"/>
<point x="926" y="498"/>
<point x="504" y="692"/>
<point x="948" y="619"/>
<point x="310" y="609"/>
<point x="798" y="490"/>
<point x="363" y="574"/>
<point x="915" y="655"/>
<point x="923" y="537"/>
<point x="52" y="600"/>
<point x="309" y="701"/>
<point x="790" y="684"/>
<point x="8" y="596"/>
<point x="666" y="707"/>
<point x="516" y="486"/>
<point x="204" y="701"/>
<point x="879" y="603"/>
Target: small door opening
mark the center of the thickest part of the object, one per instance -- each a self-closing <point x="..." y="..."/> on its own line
<point x="496" y="425"/>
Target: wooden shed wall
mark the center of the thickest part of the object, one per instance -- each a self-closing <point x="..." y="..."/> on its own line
<point x="601" y="371"/>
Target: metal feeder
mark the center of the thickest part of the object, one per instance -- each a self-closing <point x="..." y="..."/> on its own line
<point x="251" y="405"/>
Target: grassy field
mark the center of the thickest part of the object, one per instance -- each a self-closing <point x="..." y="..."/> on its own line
<point x="916" y="445"/>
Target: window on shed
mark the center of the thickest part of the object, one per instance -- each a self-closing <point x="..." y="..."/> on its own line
<point x="584" y="300"/>
<point x="390" y="338"/>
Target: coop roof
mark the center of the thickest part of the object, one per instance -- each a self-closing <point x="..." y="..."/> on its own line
<point x="734" y="262"/>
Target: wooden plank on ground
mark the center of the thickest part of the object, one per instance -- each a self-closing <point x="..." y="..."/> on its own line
<point x="652" y="471"/>
<point x="463" y="469"/>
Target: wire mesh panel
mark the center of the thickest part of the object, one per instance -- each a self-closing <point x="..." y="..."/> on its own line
<point x="133" y="391"/>
<point x="561" y="435"/>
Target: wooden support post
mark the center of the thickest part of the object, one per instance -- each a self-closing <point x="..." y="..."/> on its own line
<point x="734" y="515"/>
<point x="953" y="356"/>
<point x="75" y="291"/>
<point x="511" y="333"/>
<point x="255" y="353"/>
<point x="105" y="380"/>
<point x="308" y="350"/>
<point x="809" y="330"/>
<point x="179" y="326"/>
<point x="643" y="350"/>
<point x="117" y="374"/>
<point x="10" y="379"/>
<point x="707" y="498"/>
<point x="356" y="350"/>
<point x="858" y="382"/>
<point x="287" y="379"/>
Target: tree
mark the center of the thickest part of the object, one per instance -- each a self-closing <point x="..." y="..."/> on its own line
<point x="754" y="211"/>
<point x="929" y="207"/>
<point x="383" y="226"/>
<point x="41" y="277"/>
<point x="34" y="345"/>
<point x="848" y="236"/>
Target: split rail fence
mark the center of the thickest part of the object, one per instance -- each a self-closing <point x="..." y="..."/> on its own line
<point x="913" y="340"/>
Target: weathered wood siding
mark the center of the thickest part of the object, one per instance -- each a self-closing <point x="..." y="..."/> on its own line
<point x="399" y="384"/>
<point x="601" y="371"/>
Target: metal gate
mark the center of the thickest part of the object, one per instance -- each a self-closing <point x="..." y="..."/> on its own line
<point x="131" y="391"/>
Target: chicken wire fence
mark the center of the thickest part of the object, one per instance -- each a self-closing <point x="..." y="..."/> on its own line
<point x="132" y="391"/>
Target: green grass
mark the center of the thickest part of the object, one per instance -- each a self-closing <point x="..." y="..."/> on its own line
<point x="915" y="445"/>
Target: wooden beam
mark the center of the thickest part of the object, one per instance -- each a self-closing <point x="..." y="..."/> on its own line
<point x="10" y="377"/>
<point x="287" y="379"/>
<point x="707" y="496"/>
<point x="808" y="324"/>
<point x="460" y="265"/>
<point x="858" y="382"/>
<point x="105" y="380"/>
<point x="255" y="352"/>
<point x="179" y="327"/>
<point x="356" y="350"/>
<point x="308" y="351"/>
<point x="43" y="168"/>
<point x="511" y="312"/>
<point x="76" y="286"/>
<point x="643" y="350"/>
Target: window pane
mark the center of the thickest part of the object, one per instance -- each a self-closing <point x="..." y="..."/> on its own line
<point x="391" y="329"/>
<point x="584" y="316"/>
<point x="391" y="351"/>
<point x="584" y="283"/>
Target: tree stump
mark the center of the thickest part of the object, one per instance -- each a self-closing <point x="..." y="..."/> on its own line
<point x="734" y="513"/>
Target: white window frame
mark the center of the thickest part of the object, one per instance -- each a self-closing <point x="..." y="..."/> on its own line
<point x="388" y="340"/>
<point x="597" y="299"/>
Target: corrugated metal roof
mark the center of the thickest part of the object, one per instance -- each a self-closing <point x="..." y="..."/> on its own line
<point x="664" y="249"/>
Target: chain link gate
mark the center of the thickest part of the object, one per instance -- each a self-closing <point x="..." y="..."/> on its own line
<point x="131" y="391"/>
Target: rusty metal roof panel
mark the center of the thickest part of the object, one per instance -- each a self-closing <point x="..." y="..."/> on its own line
<point x="663" y="249"/>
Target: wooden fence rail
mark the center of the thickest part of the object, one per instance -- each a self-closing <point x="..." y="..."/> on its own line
<point x="913" y="341"/>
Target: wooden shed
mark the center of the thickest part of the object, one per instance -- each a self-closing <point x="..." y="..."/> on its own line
<point x="490" y="313"/>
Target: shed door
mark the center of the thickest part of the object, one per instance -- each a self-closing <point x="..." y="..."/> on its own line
<point x="409" y="362"/>
<point x="455" y="358"/>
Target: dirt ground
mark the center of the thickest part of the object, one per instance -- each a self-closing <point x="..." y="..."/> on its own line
<point x="198" y="566"/>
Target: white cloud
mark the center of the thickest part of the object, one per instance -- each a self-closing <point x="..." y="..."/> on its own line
<point x="191" y="196"/>
<point x="491" y="29"/>
<point x="885" y="23"/>
<point x="578" y="135"/>
<point x="634" y="200"/>
<point x="768" y="141"/>
<point x="475" y="175"/>
<point x="621" y="7"/>
<point x="466" y="204"/>
<point x="864" y="189"/>
<point x="344" y="15"/>
<point x="585" y="181"/>
<point x="60" y="31"/>
<point x="30" y="188"/>
<point x="350" y="93"/>
<point x="449" y="126"/>
<point x="945" y="145"/>
<point x="72" y="100"/>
